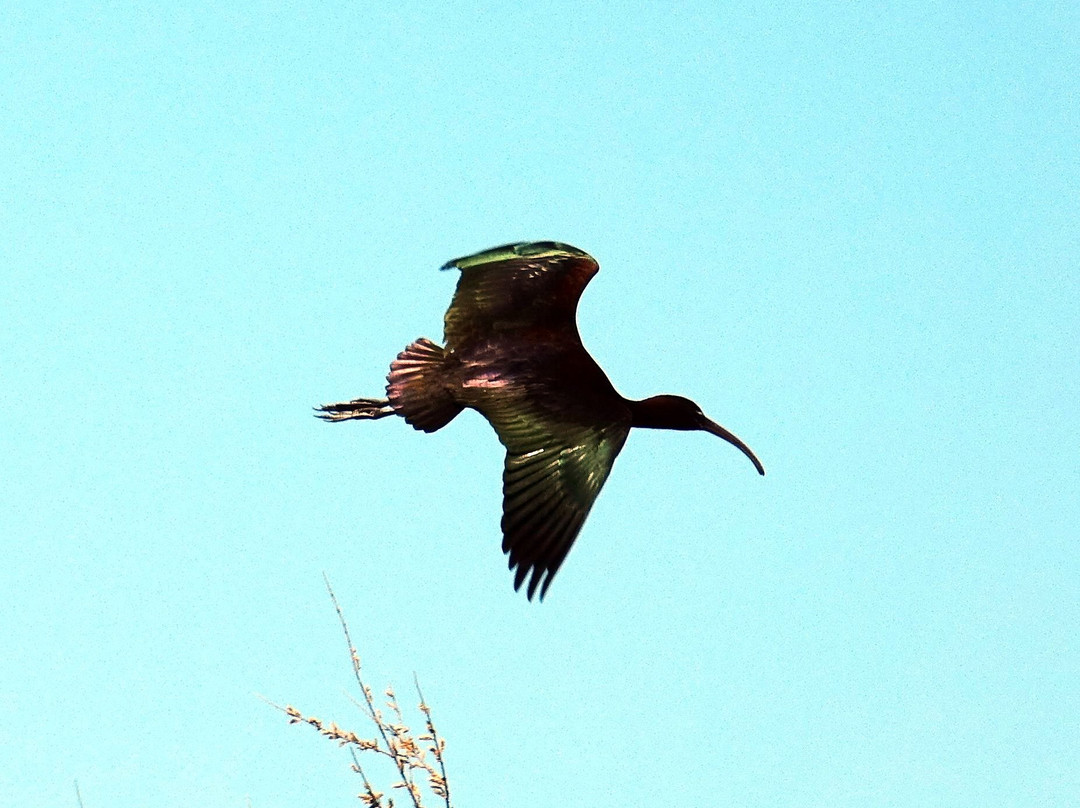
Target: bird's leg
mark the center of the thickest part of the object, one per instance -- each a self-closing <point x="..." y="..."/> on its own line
<point x="358" y="408"/>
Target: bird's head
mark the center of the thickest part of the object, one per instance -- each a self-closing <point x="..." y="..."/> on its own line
<point x="676" y="412"/>
<point x="669" y="412"/>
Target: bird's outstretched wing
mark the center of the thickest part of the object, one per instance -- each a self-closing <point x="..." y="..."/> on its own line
<point x="551" y="477"/>
<point x="515" y="287"/>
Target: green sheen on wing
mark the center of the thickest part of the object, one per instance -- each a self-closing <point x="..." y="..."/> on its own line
<point x="520" y="249"/>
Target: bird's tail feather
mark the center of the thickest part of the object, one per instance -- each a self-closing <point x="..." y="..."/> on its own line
<point x="415" y="387"/>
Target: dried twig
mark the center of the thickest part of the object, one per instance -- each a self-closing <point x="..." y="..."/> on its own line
<point x="384" y="729"/>
<point x="395" y="739"/>
<point x="370" y="796"/>
<point x="439" y="783"/>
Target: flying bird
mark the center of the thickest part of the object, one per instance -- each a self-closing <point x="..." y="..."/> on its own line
<point x="513" y="353"/>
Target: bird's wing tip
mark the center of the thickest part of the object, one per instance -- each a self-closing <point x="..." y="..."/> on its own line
<point x="517" y="249"/>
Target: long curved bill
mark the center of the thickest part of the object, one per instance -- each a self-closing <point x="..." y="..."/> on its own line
<point x="719" y="431"/>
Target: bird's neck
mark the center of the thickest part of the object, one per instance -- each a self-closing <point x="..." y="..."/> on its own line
<point x="652" y="413"/>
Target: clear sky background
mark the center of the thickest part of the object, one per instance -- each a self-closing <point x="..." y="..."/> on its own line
<point x="851" y="232"/>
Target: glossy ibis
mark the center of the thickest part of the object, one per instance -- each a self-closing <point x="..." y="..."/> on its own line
<point x="513" y="353"/>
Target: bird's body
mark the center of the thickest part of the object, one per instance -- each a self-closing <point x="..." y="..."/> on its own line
<point x="513" y="353"/>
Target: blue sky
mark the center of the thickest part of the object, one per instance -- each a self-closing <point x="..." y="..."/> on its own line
<point x="848" y="231"/>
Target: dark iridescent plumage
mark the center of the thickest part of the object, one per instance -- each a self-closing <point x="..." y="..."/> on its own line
<point x="514" y="354"/>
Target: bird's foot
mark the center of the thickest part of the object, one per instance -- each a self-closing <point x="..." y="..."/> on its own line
<point x="358" y="408"/>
